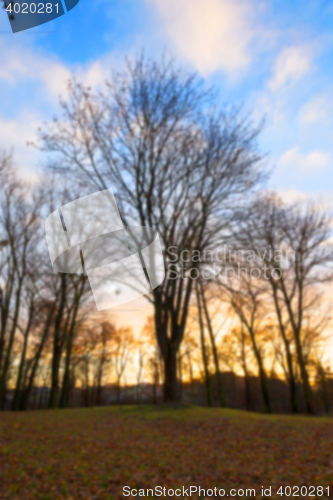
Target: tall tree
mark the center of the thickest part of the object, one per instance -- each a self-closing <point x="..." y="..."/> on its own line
<point x="176" y="162"/>
<point x="20" y="236"/>
<point x="294" y="253"/>
<point x="218" y="374"/>
<point x="204" y="353"/>
<point x="246" y="299"/>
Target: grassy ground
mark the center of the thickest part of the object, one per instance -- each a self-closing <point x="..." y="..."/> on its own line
<point x="93" y="453"/>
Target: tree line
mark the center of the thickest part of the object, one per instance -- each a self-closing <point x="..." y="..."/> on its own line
<point x="179" y="162"/>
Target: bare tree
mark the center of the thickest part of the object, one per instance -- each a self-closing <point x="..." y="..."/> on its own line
<point x="236" y="351"/>
<point x="79" y="288"/>
<point x="20" y="236"/>
<point x="122" y="342"/>
<point x="176" y="163"/>
<point x="41" y="335"/>
<point x="103" y="348"/>
<point x="209" y="324"/>
<point x="205" y="358"/>
<point x="31" y="303"/>
<point x="292" y="245"/>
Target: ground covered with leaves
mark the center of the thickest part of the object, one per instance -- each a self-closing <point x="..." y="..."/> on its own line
<point x="93" y="453"/>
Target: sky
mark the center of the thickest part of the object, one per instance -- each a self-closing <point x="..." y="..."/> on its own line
<point x="275" y="57"/>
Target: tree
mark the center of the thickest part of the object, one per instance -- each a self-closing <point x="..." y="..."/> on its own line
<point x="205" y="358"/>
<point x="31" y="303"/>
<point x="218" y="374"/>
<point x="103" y="347"/>
<point x="237" y="350"/>
<point x="122" y="342"/>
<point x="84" y="352"/>
<point x="177" y="164"/>
<point x="41" y="335"/>
<point x="291" y="243"/>
<point x="20" y="236"/>
<point x="79" y="288"/>
<point x="246" y="299"/>
<point x="154" y="360"/>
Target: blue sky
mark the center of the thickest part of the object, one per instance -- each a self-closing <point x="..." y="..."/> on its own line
<point x="275" y="56"/>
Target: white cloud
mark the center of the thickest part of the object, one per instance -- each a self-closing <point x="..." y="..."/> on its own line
<point x="323" y="200"/>
<point x="317" y="109"/>
<point x="24" y="73"/>
<point x="21" y="65"/>
<point x="293" y="195"/>
<point x="96" y="73"/>
<point x="291" y="64"/>
<point x="211" y="34"/>
<point x="311" y="162"/>
<point x="16" y="133"/>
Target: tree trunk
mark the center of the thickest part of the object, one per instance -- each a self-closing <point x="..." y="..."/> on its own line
<point x="6" y="363"/>
<point x="17" y="394"/>
<point x="171" y="313"/>
<point x="189" y="360"/>
<point x="204" y="353"/>
<point x="305" y="377"/>
<point x="180" y="376"/>
<point x="64" y="396"/>
<point x="170" y="386"/>
<point x="297" y="329"/>
<point x="53" y="399"/>
<point x="218" y="374"/>
<point x="248" y="395"/>
<point x="291" y="375"/>
<point x="262" y="374"/>
<point x="5" y="304"/>
<point x="27" y="389"/>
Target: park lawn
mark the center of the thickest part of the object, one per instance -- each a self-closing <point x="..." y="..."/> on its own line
<point x="92" y="453"/>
